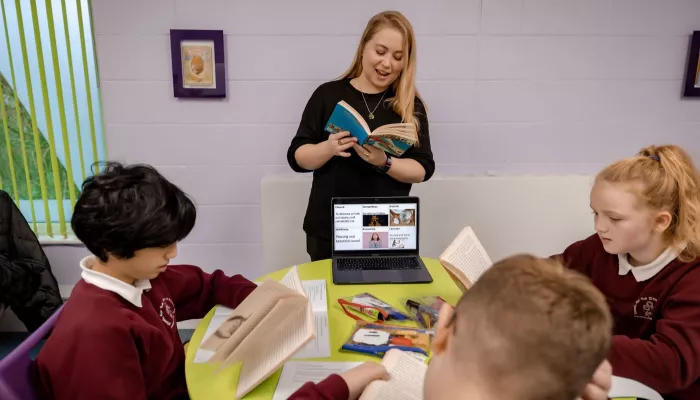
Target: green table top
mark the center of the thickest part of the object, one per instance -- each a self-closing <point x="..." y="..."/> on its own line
<point x="202" y="383"/>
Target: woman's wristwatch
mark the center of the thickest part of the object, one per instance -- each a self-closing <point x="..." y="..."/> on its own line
<point x="385" y="168"/>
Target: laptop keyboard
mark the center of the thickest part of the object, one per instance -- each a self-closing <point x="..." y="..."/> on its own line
<point x="377" y="263"/>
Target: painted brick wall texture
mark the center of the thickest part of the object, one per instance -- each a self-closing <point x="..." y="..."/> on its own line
<point x="512" y="86"/>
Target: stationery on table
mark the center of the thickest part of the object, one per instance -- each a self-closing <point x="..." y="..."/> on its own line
<point x="296" y="373"/>
<point x="394" y="138"/>
<point x="267" y="329"/>
<point x="465" y="259"/>
<point x="425" y="310"/>
<point x="364" y="305"/>
<point x="406" y="376"/>
<point x="378" y="339"/>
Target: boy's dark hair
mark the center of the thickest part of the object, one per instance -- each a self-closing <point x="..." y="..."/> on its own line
<point x="125" y="208"/>
<point x="533" y="327"/>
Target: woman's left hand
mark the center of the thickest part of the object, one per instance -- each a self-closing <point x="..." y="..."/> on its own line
<point x="371" y="154"/>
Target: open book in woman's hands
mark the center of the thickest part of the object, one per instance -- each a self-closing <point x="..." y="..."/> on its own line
<point x="271" y="325"/>
<point x="394" y="139"/>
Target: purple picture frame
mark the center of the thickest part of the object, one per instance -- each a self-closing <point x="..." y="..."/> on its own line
<point x="199" y="74"/>
<point x="692" y="70"/>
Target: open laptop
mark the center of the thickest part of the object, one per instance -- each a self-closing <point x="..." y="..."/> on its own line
<point x="375" y="240"/>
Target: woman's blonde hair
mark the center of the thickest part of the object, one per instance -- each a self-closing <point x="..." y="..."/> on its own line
<point x="670" y="182"/>
<point x="405" y="92"/>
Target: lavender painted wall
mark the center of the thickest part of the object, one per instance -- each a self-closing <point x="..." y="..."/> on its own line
<point x="513" y="87"/>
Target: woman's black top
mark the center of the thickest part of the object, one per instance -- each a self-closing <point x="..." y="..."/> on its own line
<point x="351" y="176"/>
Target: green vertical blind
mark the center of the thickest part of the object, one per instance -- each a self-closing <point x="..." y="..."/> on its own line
<point x="50" y="109"/>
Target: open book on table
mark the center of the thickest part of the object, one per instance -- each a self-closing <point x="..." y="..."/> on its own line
<point x="465" y="259"/>
<point x="394" y="139"/>
<point x="406" y="376"/>
<point x="271" y="325"/>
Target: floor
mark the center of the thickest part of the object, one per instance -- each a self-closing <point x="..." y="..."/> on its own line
<point x="10" y="340"/>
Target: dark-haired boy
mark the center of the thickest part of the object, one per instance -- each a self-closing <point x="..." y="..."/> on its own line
<point x="116" y="337"/>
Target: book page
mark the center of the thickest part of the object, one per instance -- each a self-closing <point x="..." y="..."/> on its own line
<point x="467" y="256"/>
<point x="320" y="347"/>
<point x="394" y="139"/>
<point x="406" y="376"/>
<point x="283" y="332"/>
<point x="403" y="130"/>
<point x="229" y="335"/>
<point x="292" y="281"/>
<point x="296" y="373"/>
<point x="457" y="277"/>
<point x="221" y="314"/>
<point x="629" y="389"/>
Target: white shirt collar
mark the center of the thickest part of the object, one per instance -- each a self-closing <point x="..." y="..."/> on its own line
<point x="131" y="293"/>
<point x="646" y="272"/>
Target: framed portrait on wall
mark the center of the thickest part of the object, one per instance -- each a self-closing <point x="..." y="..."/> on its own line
<point x="692" y="71"/>
<point x="198" y="65"/>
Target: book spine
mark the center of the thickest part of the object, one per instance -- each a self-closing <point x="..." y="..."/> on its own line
<point x="456" y="280"/>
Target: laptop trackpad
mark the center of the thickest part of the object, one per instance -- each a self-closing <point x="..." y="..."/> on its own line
<point x="352" y="276"/>
<point x="387" y="276"/>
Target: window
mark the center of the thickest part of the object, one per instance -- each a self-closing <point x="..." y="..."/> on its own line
<point x="51" y="133"/>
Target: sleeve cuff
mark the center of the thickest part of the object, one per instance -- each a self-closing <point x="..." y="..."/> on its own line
<point x="335" y="387"/>
<point x="248" y="289"/>
<point x="427" y="165"/>
<point x="291" y="155"/>
<point x="235" y="291"/>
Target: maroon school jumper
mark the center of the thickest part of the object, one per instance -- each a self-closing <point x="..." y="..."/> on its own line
<point x="331" y="388"/>
<point x="126" y="346"/>
<point x="657" y="319"/>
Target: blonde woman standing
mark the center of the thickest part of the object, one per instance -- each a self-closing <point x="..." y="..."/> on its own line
<point x="380" y="85"/>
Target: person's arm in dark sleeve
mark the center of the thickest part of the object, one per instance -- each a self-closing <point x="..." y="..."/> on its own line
<point x="309" y="135"/>
<point x="668" y="361"/>
<point x="346" y="386"/>
<point x="331" y="388"/>
<point x="577" y="256"/>
<point x="19" y="284"/>
<point x="416" y="164"/>
<point x="195" y="292"/>
<point x="16" y="280"/>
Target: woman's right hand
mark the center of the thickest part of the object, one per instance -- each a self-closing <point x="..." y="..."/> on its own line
<point x="314" y="156"/>
<point x="338" y="143"/>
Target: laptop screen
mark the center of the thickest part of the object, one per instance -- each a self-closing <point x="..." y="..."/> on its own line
<point x="375" y="226"/>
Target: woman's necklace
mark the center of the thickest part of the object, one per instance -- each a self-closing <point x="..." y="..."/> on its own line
<point x="371" y="113"/>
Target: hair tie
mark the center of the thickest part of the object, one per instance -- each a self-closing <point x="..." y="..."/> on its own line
<point x="654" y="157"/>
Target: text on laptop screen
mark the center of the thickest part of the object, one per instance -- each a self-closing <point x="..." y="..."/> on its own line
<point x="375" y="227"/>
